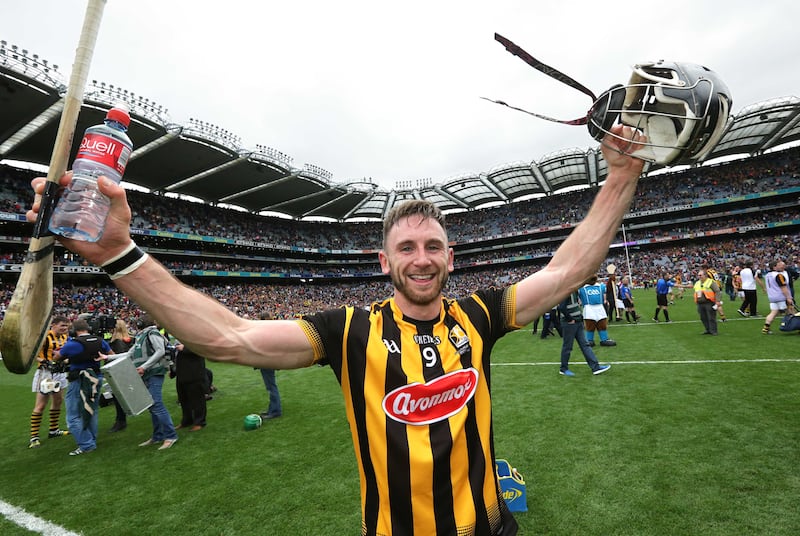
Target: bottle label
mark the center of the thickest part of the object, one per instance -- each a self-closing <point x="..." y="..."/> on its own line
<point x="105" y="150"/>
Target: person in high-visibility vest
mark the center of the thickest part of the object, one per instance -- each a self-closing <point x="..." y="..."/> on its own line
<point x="716" y="276"/>
<point x="706" y="296"/>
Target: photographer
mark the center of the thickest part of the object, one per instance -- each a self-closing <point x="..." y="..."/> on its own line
<point x="85" y="381"/>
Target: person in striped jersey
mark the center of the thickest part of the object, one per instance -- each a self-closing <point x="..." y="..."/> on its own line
<point x="48" y="381"/>
<point x="413" y="368"/>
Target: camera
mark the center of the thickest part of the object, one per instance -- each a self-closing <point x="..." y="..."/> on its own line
<point x="101" y="324"/>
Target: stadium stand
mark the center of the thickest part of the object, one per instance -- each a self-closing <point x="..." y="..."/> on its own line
<point x="719" y="212"/>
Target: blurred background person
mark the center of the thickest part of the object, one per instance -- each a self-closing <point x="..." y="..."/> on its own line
<point x="274" y="410"/>
<point x="85" y="382"/>
<point x="626" y="295"/>
<point x="706" y="296"/>
<point x="593" y="298"/>
<point x="121" y="341"/>
<point x="749" y="279"/>
<point x="189" y="371"/>
<point x="51" y="372"/>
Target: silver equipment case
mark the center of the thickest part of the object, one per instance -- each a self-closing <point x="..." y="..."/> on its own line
<point x="127" y="385"/>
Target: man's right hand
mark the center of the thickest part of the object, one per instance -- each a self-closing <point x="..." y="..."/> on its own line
<point x="116" y="236"/>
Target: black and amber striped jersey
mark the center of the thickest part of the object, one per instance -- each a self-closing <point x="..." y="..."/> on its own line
<point x="417" y="398"/>
<point x="714" y="274"/>
<point x="52" y="342"/>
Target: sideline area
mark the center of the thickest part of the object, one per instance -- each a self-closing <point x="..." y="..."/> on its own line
<point x="30" y="522"/>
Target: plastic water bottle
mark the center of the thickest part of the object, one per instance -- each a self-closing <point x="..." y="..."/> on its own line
<point x="105" y="149"/>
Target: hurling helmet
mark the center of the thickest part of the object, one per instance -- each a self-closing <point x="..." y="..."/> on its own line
<point x="252" y="421"/>
<point x="49" y="385"/>
<point x="681" y="109"/>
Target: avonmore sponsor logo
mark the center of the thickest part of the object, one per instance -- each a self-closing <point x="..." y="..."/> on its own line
<point x="437" y="400"/>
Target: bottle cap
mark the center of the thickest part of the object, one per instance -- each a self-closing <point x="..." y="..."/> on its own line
<point x="119" y="115"/>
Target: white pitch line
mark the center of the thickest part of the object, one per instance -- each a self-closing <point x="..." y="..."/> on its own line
<point x="30" y="522"/>
<point x="676" y="362"/>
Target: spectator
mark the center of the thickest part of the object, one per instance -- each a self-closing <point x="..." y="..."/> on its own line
<point x="572" y="331"/>
<point x="121" y="342"/>
<point x="191" y="385"/>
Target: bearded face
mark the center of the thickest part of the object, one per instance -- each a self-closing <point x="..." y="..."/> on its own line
<point x="419" y="261"/>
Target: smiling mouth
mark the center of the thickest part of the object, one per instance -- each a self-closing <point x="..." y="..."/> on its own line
<point x="421" y="277"/>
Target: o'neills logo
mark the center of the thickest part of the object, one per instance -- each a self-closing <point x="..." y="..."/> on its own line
<point x="437" y="400"/>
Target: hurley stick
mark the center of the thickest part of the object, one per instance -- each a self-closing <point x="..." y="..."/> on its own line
<point x="27" y="317"/>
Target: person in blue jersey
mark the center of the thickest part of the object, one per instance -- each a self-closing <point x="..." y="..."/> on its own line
<point x="82" y="352"/>
<point x="595" y="318"/>
<point x="626" y="295"/>
<point x="663" y="288"/>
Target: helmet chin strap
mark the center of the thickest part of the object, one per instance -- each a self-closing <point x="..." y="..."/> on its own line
<point x="549" y="71"/>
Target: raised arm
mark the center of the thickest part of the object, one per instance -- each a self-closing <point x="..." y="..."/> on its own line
<point x="202" y="323"/>
<point x="587" y="246"/>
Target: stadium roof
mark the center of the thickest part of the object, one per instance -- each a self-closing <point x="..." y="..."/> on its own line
<point x="208" y="162"/>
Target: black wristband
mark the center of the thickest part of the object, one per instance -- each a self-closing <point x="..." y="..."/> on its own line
<point x="126" y="262"/>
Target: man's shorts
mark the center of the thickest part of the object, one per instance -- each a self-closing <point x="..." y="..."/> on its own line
<point x="44" y="374"/>
<point x="777" y="306"/>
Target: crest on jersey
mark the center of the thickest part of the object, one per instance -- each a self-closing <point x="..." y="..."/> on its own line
<point x="458" y="337"/>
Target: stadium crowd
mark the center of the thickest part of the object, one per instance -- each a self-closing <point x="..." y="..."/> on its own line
<point x="286" y="300"/>
<point x="468" y="230"/>
<point x="696" y="185"/>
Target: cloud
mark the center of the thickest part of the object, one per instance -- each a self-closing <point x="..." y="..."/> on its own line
<point x="391" y="91"/>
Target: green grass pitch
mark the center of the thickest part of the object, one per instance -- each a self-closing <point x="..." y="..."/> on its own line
<point x="685" y="435"/>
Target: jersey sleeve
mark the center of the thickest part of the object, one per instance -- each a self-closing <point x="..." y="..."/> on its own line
<point x="500" y="306"/>
<point x="325" y="331"/>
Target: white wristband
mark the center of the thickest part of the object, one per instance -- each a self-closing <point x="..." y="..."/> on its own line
<point x="126" y="262"/>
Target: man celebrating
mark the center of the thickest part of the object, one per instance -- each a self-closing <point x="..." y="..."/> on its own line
<point x="414" y="368"/>
<point x="48" y="381"/>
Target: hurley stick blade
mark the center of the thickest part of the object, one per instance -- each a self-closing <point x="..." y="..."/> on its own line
<point x="27" y="317"/>
<point x="28" y="314"/>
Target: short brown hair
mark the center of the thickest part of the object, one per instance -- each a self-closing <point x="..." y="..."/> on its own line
<point x="80" y="325"/>
<point x="426" y="209"/>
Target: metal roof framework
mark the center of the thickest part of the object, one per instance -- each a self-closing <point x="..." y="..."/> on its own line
<point x="207" y="162"/>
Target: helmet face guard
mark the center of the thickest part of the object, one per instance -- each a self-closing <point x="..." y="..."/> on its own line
<point x="49" y="385"/>
<point x="681" y="110"/>
<point x="677" y="111"/>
